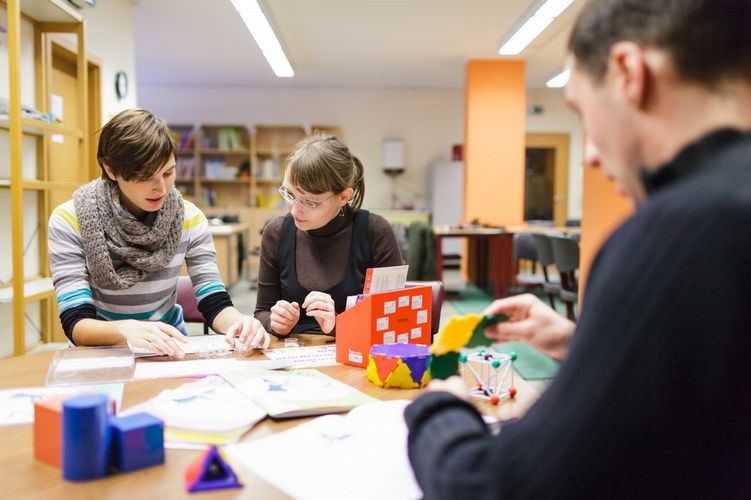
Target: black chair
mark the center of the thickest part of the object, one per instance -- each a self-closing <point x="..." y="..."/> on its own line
<point x="566" y="255"/>
<point x="545" y="256"/>
<point x="525" y="253"/>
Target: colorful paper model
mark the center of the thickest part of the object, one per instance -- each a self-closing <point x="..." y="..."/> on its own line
<point x="86" y="437"/>
<point x="459" y="332"/>
<point x="489" y="370"/>
<point x="404" y="366"/>
<point x="401" y="316"/>
<point x="210" y="471"/>
<point x="137" y="442"/>
<point x="48" y="418"/>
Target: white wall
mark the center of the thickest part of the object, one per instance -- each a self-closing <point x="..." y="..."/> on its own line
<point x="429" y="120"/>
<point x="109" y="40"/>
<point x="557" y="118"/>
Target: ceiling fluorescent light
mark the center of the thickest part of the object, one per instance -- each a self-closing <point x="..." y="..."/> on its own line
<point x="524" y="35"/>
<point x="246" y="5"/>
<point x="533" y="26"/>
<point x="264" y="35"/>
<point x="553" y="8"/>
<point x="559" y="80"/>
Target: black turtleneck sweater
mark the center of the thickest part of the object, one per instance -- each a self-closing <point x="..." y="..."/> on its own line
<point x="654" y="400"/>
<point x="321" y="257"/>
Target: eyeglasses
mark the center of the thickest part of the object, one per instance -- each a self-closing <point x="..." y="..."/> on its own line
<point x="290" y="198"/>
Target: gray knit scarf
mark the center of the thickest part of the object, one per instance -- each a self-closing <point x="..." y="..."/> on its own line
<point x="108" y="228"/>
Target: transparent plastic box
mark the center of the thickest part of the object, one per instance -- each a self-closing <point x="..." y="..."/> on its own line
<point x="88" y="365"/>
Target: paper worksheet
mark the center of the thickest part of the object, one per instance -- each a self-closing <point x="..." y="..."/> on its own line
<point x="367" y="449"/>
<point x="150" y="369"/>
<point x="383" y="279"/>
<point x="305" y="357"/>
<point x="17" y="405"/>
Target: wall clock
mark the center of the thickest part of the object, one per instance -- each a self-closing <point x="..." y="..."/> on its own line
<point x="121" y="84"/>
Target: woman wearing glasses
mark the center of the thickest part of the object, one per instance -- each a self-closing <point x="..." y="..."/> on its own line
<point x="317" y="255"/>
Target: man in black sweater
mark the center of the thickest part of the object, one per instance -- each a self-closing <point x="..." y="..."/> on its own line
<point x="653" y="399"/>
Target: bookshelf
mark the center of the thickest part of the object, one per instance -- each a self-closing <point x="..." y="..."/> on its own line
<point x="33" y="184"/>
<point x="231" y="169"/>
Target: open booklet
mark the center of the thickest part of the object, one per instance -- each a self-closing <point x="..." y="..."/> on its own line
<point x="366" y="450"/>
<point x="296" y="393"/>
<point x="207" y="411"/>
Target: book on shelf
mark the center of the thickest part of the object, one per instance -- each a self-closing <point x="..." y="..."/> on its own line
<point x="184" y="167"/>
<point x="228" y="138"/>
<point x="214" y="168"/>
<point x="184" y="139"/>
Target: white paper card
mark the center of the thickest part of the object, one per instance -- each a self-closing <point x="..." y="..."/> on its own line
<point x="403" y="338"/>
<point x="422" y="316"/>
<point x="305" y="357"/>
<point x="199" y="367"/>
<point x="382" y="324"/>
<point x="404" y="301"/>
<point x="389" y="337"/>
<point x="416" y="301"/>
<point x="389" y="307"/>
<point x="416" y="333"/>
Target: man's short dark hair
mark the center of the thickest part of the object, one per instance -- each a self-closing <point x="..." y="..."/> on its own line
<point x="135" y="144"/>
<point x="708" y="40"/>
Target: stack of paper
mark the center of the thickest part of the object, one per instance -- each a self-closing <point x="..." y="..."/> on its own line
<point x="365" y="454"/>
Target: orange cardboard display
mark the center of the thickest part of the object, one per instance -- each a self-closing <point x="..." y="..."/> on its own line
<point x="402" y="315"/>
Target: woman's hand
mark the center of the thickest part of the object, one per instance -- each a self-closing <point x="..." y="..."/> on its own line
<point x="284" y="316"/>
<point x="157" y="337"/>
<point x="247" y="333"/>
<point x="321" y="306"/>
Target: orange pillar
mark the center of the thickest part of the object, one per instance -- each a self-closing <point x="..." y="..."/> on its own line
<point x="495" y="112"/>
<point x="603" y="210"/>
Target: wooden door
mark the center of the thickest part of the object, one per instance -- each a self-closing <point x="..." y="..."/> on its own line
<point x="64" y="151"/>
<point x="553" y="150"/>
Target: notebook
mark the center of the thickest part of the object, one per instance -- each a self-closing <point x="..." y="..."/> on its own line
<point x="296" y="393"/>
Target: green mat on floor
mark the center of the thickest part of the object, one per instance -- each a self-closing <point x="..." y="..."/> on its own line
<point x="475" y="300"/>
<point x="531" y="364"/>
<point x="471" y="300"/>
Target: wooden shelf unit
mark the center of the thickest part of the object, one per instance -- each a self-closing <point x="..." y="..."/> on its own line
<point x="47" y="16"/>
<point x="253" y="194"/>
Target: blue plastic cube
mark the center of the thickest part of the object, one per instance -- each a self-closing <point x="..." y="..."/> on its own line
<point x="137" y="442"/>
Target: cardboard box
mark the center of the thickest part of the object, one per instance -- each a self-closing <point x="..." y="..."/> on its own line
<point x="382" y="318"/>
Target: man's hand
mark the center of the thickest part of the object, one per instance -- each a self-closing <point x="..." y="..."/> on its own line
<point x="533" y="322"/>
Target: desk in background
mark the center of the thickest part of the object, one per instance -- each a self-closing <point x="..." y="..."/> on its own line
<point x="24" y="477"/>
<point x="495" y="246"/>
<point x="227" y="246"/>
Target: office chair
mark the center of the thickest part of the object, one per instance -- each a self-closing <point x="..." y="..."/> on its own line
<point x="437" y="298"/>
<point x="186" y="297"/>
<point x="566" y="255"/>
<point x="545" y="256"/>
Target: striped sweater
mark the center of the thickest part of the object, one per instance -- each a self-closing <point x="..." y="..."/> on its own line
<point x="154" y="298"/>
